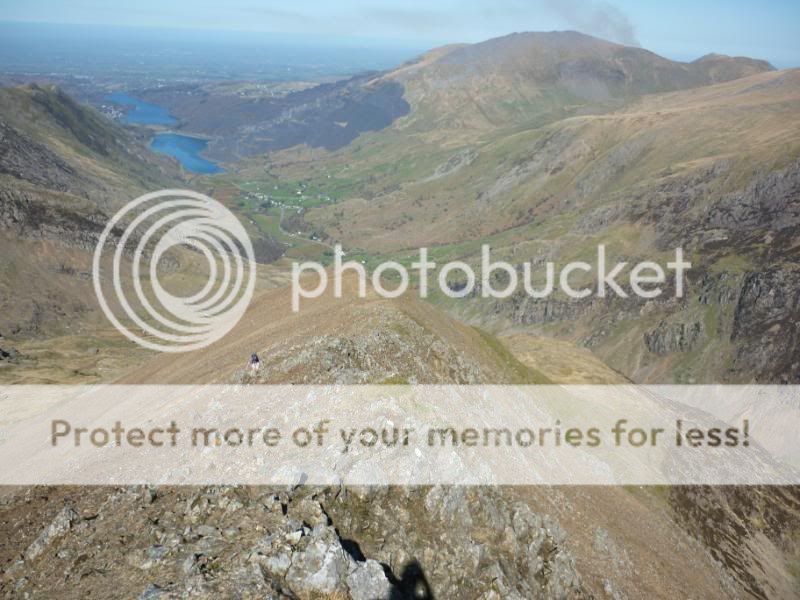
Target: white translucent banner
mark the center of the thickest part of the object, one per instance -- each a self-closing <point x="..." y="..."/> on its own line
<point x="404" y="435"/>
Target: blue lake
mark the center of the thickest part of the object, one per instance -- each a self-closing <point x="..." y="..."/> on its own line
<point x="182" y="147"/>
<point x="142" y="113"/>
<point x="187" y="150"/>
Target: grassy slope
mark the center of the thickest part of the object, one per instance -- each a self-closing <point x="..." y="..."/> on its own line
<point x="534" y="191"/>
<point x="519" y="179"/>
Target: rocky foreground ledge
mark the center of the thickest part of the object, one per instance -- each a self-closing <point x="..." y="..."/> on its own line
<point x="300" y="543"/>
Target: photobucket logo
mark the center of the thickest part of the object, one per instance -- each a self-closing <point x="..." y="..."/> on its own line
<point x="645" y="279"/>
<point x="141" y="234"/>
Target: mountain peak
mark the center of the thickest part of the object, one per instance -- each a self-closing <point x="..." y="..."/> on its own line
<point x="528" y="75"/>
<point x="752" y="64"/>
<point x="711" y="56"/>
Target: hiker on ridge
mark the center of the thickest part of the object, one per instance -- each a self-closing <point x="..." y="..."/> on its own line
<point x="255" y="363"/>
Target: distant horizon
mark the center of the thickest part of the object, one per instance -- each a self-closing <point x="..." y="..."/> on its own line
<point x="413" y="46"/>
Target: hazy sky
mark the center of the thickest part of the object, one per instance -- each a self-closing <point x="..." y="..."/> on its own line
<point x="680" y="29"/>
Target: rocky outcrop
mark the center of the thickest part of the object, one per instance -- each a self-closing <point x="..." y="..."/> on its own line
<point x="766" y="325"/>
<point x="720" y="289"/>
<point x="57" y="528"/>
<point x="9" y="356"/>
<point x="365" y="544"/>
<point x="24" y="158"/>
<point x="305" y="556"/>
<point x="679" y="208"/>
<point x="454" y="164"/>
<point x="39" y="215"/>
<point x="673" y="337"/>
<point x="671" y="204"/>
<point x="771" y="200"/>
<point x="386" y="354"/>
<point x="767" y="298"/>
<point x="468" y="542"/>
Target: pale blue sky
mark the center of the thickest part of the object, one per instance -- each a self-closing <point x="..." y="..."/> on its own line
<point x="680" y="29"/>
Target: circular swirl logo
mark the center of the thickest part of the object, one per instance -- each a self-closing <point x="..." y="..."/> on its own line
<point x="141" y="236"/>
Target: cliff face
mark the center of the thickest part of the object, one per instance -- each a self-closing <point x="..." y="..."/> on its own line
<point x="766" y="323"/>
<point x="742" y="291"/>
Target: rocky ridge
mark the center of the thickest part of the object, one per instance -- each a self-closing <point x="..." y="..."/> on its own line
<point x="291" y="543"/>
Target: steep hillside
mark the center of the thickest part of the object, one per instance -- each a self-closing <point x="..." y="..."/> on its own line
<point x="330" y="115"/>
<point x="50" y="140"/>
<point x="64" y="168"/>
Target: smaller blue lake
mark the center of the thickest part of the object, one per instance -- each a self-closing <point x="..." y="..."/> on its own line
<point x="187" y="150"/>
<point x="142" y="113"/>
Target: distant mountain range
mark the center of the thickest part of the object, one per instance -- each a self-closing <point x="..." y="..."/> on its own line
<point x="501" y="82"/>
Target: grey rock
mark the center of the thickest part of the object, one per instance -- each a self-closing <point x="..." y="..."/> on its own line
<point x="62" y="523"/>
<point x="10" y="356"/>
<point x="152" y="592"/>
<point x="206" y="530"/>
<point x="278" y="564"/>
<point x="770" y="200"/>
<point x="294" y="537"/>
<point x="146" y="558"/>
<point x="367" y="581"/>
<point x="189" y="564"/>
<point x="673" y="337"/>
<point x="320" y="565"/>
<point x="309" y="511"/>
<point x="766" y="326"/>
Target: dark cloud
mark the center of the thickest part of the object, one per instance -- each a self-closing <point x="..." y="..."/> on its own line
<point x="596" y="18"/>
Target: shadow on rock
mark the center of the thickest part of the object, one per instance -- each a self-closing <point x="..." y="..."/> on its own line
<point x="412" y="585"/>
